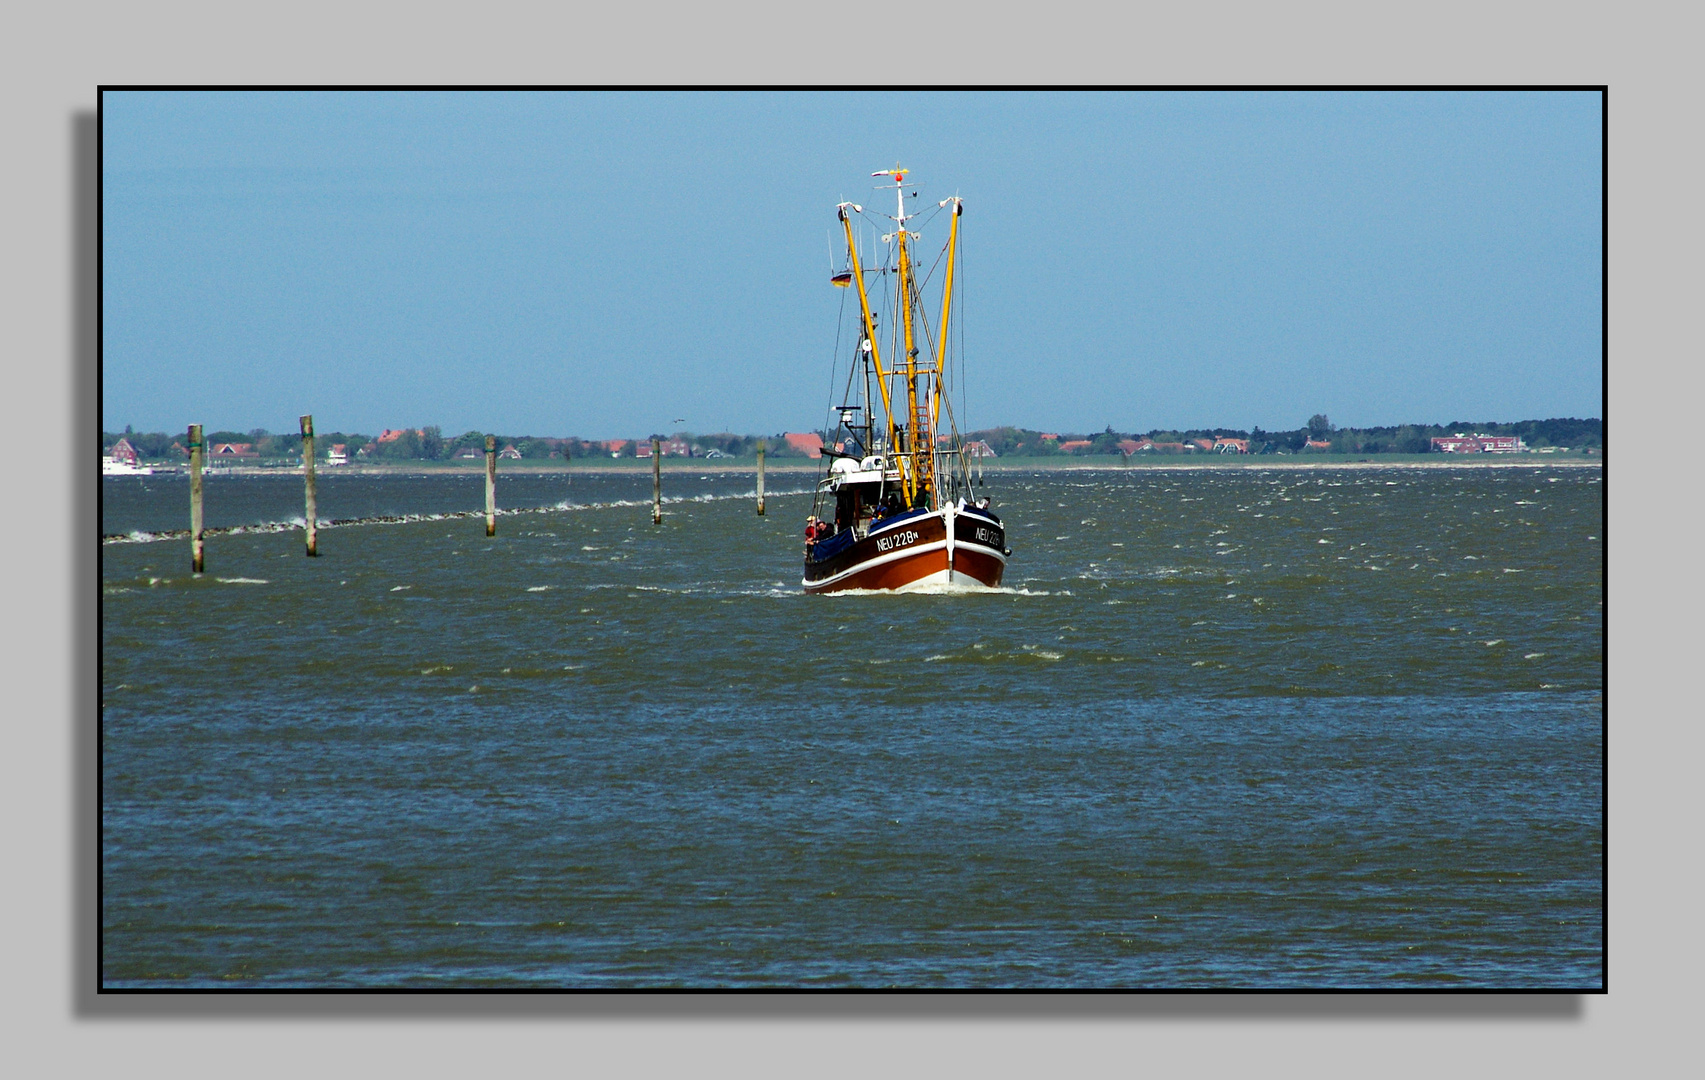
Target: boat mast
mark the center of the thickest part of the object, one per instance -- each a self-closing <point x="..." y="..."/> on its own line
<point x="918" y="478"/>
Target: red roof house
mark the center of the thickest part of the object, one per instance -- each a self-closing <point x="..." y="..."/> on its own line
<point x="808" y="443"/>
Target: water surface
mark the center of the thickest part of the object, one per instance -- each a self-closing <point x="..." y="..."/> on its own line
<point x="1327" y="727"/>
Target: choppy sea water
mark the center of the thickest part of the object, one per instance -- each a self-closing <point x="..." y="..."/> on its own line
<point x="1257" y="728"/>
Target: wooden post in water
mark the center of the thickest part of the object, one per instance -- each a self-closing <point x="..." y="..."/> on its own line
<point x="310" y="515"/>
<point x="656" y="480"/>
<point x="196" y="561"/>
<point x="491" y="485"/>
<point x="760" y="478"/>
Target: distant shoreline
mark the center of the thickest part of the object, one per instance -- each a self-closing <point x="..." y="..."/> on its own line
<point x="795" y="466"/>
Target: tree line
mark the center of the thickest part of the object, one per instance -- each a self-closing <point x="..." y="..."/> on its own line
<point x="1576" y="434"/>
<point x="431" y="444"/>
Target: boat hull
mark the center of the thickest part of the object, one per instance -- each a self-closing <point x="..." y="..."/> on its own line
<point x="944" y="547"/>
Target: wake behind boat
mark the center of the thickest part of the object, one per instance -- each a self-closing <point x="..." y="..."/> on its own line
<point x="897" y="508"/>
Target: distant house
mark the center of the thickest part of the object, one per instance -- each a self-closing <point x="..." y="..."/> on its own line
<point x="389" y="435"/>
<point x="808" y="443"/>
<point x="1050" y="436"/>
<point x="338" y="454"/>
<point x="235" y="450"/>
<point x="178" y="449"/>
<point x="509" y="453"/>
<point x="1168" y="447"/>
<point x="1131" y="446"/>
<point x="616" y="446"/>
<point x="1232" y="446"/>
<point x="467" y="452"/>
<point x="124" y="452"/>
<point x="1317" y="444"/>
<point x="1074" y="445"/>
<point x="1202" y="444"/>
<point x="1477" y="444"/>
<point x="665" y="448"/>
<point x="979" y="448"/>
<point x="713" y="452"/>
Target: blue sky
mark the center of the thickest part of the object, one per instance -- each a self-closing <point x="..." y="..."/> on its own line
<point x="600" y="264"/>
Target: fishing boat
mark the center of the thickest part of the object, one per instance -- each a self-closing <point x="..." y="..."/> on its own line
<point x="896" y="507"/>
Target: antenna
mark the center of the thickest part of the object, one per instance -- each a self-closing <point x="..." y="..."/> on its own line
<point x="899" y="177"/>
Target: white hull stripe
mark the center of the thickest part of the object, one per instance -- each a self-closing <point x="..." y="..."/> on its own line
<point x="880" y="560"/>
<point x="891" y="556"/>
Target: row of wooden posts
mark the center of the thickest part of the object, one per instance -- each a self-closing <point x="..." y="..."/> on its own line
<point x="311" y="511"/>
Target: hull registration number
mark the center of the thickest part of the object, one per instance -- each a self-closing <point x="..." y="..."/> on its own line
<point x="894" y="540"/>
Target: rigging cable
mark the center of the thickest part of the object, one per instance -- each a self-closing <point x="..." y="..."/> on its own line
<point x="840" y="320"/>
<point x="936" y="264"/>
<point x="833" y="421"/>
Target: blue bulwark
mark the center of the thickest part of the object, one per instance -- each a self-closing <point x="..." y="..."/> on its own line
<point x="831" y="546"/>
<point x="882" y="524"/>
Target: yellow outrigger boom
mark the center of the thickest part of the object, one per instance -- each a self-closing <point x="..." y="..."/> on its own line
<point x="946" y="310"/>
<point x="869" y="323"/>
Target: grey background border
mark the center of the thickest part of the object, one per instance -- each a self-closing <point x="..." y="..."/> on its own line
<point x="53" y="1020"/>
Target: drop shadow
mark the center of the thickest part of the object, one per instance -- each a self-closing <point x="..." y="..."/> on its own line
<point x="816" y="1006"/>
<point x="84" y="425"/>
